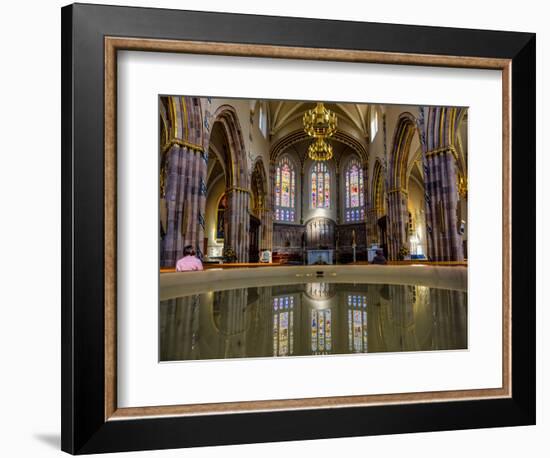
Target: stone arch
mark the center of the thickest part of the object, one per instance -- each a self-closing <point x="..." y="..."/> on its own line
<point x="182" y="177"/>
<point x="299" y="135"/>
<point x="377" y="194"/>
<point x="399" y="156"/>
<point x="260" y="188"/>
<point x="258" y="184"/>
<point x="397" y="194"/>
<point x="226" y="115"/>
<point x="377" y="206"/>
<point x="237" y="219"/>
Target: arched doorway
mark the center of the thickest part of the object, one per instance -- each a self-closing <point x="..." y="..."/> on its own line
<point x="260" y="215"/>
<point x="216" y="199"/>
<point x="416" y="207"/>
<point x="397" y="193"/>
<point x="226" y="147"/>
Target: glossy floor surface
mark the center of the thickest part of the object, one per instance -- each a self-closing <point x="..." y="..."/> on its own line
<point x="312" y="318"/>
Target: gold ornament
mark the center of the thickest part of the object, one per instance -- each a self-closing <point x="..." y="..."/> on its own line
<point x="320" y="123"/>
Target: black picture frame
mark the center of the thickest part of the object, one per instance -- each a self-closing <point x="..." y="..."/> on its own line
<point x="84" y="427"/>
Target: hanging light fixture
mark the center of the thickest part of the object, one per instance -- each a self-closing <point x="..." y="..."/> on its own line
<point x="320" y="123"/>
<point x="320" y="150"/>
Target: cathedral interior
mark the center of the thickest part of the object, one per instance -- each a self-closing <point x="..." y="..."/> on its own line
<point x="270" y="182"/>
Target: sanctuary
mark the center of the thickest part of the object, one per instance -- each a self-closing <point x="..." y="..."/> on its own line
<point x="249" y="182"/>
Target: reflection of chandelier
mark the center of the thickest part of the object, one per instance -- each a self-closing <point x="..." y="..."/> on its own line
<point x="320" y="291"/>
<point x="320" y="123"/>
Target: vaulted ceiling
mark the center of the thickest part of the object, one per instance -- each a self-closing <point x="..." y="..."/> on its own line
<point x="285" y="115"/>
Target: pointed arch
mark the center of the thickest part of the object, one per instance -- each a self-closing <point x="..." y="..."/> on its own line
<point x="262" y="204"/>
<point x="399" y="156"/>
<point x="226" y="115"/>
<point x="237" y="218"/>
<point x="377" y="189"/>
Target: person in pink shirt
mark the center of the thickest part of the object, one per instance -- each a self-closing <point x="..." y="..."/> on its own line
<point x="189" y="262"/>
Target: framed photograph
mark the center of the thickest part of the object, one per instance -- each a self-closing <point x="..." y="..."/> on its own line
<point x="285" y="228"/>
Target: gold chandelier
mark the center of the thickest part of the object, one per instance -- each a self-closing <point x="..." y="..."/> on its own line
<point x="320" y="123"/>
<point x="320" y="150"/>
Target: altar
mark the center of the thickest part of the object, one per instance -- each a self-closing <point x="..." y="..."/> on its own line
<point x="320" y="256"/>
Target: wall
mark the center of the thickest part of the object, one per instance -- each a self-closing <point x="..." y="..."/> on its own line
<point x="30" y="343"/>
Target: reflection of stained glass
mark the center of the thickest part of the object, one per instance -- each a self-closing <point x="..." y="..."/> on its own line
<point x="283" y="324"/>
<point x="321" y="331"/>
<point x="320" y="186"/>
<point x="354" y="199"/>
<point x="357" y="323"/>
<point x="285" y="190"/>
<point x="313" y="331"/>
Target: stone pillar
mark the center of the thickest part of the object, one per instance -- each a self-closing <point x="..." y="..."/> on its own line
<point x="398" y="219"/>
<point x="266" y="229"/>
<point x="237" y="222"/>
<point x="441" y="187"/>
<point x="441" y="199"/>
<point x="185" y="200"/>
<point x="366" y="192"/>
<point x="371" y="223"/>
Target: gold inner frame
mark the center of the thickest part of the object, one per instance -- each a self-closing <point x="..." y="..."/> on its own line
<point x="114" y="44"/>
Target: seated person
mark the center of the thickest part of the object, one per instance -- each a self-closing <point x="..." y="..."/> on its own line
<point x="189" y="262"/>
<point x="379" y="258"/>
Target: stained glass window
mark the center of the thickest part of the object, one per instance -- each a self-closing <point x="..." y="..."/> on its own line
<point x="320" y="186"/>
<point x="220" y="225"/>
<point x="283" y="326"/>
<point x="285" y="190"/>
<point x="357" y="323"/>
<point x="321" y="332"/>
<point x="355" y="192"/>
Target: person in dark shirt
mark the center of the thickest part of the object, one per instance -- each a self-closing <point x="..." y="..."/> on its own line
<point x="379" y="258"/>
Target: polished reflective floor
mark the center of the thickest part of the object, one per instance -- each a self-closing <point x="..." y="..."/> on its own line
<point x="312" y="319"/>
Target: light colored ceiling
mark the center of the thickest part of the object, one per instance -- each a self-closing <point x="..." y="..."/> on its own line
<point x="351" y="116"/>
<point x="339" y="149"/>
